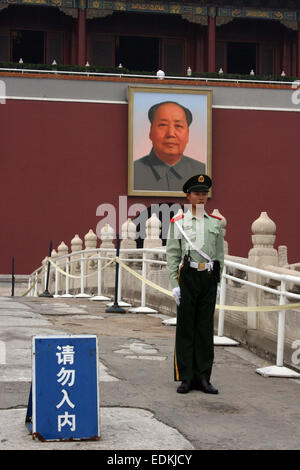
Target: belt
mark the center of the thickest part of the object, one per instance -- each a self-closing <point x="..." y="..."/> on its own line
<point x="202" y="266"/>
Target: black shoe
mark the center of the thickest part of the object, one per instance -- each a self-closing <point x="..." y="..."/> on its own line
<point x="185" y="387"/>
<point x="206" y="387"/>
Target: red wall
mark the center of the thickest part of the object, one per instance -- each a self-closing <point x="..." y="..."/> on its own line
<point x="59" y="161"/>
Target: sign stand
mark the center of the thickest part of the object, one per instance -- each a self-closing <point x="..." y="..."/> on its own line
<point x="28" y="419"/>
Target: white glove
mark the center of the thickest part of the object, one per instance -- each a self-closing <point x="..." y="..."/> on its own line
<point x="218" y="292"/>
<point x="176" y="294"/>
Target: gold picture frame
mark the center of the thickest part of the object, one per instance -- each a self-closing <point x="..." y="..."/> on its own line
<point x="148" y="174"/>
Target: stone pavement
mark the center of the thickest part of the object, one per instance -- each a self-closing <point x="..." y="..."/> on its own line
<point x="139" y="406"/>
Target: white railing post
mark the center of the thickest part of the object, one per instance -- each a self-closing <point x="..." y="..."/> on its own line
<point x="221" y="340"/>
<point x="143" y="308"/>
<point x="121" y="303"/>
<point x="36" y="285"/>
<point x="222" y="302"/>
<point x="99" y="276"/>
<point x="279" y="370"/>
<point x="28" y="287"/>
<point x="67" y="277"/>
<point x="144" y="274"/>
<point x="82" y="294"/>
<point x="120" y="285"/>
<point x="281" y="326"/>
<point x="67" y="294"/>
<point x="81" y="273"/>
<point x="56" y="281"/>
<point x="99" y="296"/>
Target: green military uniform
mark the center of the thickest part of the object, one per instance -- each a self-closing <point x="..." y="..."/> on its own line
<point x="194" y="351"/>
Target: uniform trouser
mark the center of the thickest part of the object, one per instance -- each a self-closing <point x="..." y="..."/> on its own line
<point x="194" y="344"/>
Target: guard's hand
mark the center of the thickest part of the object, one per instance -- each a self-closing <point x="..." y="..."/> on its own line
<point x="176" y="294"/>
<point x="218" y="292"/>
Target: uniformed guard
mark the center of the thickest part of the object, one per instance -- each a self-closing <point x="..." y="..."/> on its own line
<point x="195" y="259"/>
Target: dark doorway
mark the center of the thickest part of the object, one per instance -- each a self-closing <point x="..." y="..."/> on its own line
<point x="138" y="53"/>
<point x="28" y="46"/>
<point x="241" y="57"/>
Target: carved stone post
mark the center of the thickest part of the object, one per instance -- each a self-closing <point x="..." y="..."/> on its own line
<point x="90" y="241"/>
<point x="62" y="250"/>
<point x="128" y="235"/>
<point x="76" y="245"/>
<point x="152" y="240"/>
<point x="107" y="236"/>
<point x="282" y="256"/>
<point x="263" y="253"/>
<point x="153" y="228"/>
<point x="128" y="242"/>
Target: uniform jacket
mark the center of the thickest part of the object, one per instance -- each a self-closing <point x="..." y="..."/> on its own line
<point x="205" y="233"/>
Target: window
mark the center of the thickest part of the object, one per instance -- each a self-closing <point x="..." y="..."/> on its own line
<point x="173" y="56"/>
<point x="137" y="53"/>
<point x="28" y="45"/>
<point x="266" y="60"/>
<point x="4" y="46"/>
<point x="101" y="51"/>
<point x="241" y="57"/>
<point x="55" y="47"/>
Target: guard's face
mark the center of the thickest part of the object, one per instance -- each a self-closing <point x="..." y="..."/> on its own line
<point x="169" y="132"/>
<point x="197" y="197"/>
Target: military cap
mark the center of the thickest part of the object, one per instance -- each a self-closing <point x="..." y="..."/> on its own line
<point x="197" y="183"/>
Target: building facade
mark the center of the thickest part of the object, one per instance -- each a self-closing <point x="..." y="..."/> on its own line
<point x="64" y="138"/>
<point x="141" y="35"/>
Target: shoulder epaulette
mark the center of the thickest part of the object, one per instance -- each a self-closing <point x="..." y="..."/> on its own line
<point x="211" y="215"/>
<point x="178" y="217"/>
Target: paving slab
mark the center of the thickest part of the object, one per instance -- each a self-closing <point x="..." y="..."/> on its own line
<point x="140" y="408"/>
<point x="121" y="428"/>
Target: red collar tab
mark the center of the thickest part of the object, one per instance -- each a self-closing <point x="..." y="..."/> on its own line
<point x="178" y="217"/>
<point x="211" y="215"/>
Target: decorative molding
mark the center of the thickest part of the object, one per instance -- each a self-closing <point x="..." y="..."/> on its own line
<point x="92" y="13"/>
<point x="73" y="12"/>
<point x="198" y="19"/>
<point x="61" y="4"/>
<point x="191" y="11"/>
<point x="290" y="24"/>
<point x="221" y="20"/>
<point x="148" y="7"/>
<point x="258" y="13"/>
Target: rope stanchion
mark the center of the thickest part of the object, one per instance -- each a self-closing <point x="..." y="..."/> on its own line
<point x="115" y="308"/>
<point x="13" y="276"/>
<point x="46" y="292"/>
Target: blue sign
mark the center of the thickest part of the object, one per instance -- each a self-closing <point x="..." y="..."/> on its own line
<point x="65" y="387"/>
